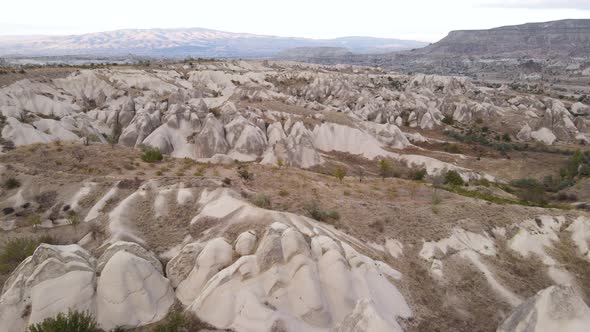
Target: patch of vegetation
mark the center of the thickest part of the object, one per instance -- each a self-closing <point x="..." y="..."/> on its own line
<point x="501" y="143"/>
<point x="243" y="172"/>
<point x="419" y="175"/>
<point x="177" y="321"/>
<point x="339" y="173"/>
<point x="73" y="218"/>
<point x="453" y="178"/>
<point x="385" y="168"/>
<point x="74" y="321"/>
<point x="11" y="183"/>
<point x="262" y="201"/>
<point x="17" y="249"/>
<point x="315" y="211"/>
<point x="34" y="220"/>
<point x="448" y="120"/>
<point x="283" y="193"/>
<point x="530" y="190"/>
<point x="151" y="155"/>
<point x="451" y="148"/>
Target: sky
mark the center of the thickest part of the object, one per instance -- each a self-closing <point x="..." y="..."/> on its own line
<point x="424" y="20"/>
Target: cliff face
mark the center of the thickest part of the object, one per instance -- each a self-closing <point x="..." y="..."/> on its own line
<point x="556" y="38"/>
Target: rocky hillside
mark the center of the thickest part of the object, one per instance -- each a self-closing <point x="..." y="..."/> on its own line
<point x="556" y="38"/>
<point x="196" y="42"/>
<point x="280" y="196"/>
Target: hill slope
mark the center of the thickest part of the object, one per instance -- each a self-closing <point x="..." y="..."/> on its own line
<point x="564" y="37"/>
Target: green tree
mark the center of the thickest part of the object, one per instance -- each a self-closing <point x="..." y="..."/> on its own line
<point x="339" y="173"/>
<point x="453" y="178"/>
<point x="385" y="168"/>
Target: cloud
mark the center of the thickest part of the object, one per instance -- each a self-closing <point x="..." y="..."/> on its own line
<point x="539" y="4"/>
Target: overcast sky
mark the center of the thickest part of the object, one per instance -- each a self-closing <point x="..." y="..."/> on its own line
<point x="426" y="20"/>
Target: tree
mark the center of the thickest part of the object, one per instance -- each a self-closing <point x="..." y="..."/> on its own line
<point x="385" y="168"/>
<point x="339" y="173"/>
<point x="113" y="138"/>
<point x="453" y="178"/>
<point x="361" y="173"/>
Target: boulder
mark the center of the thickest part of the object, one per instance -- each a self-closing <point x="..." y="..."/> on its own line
<point x="131" y="292"/>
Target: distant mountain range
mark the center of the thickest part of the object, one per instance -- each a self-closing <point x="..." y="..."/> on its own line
<point x="195" y="42"/>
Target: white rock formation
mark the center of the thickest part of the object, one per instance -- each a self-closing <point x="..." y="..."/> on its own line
<point x="126" y="291"/>
<point x="289" y="281"/>
<point x="557" y="308"/>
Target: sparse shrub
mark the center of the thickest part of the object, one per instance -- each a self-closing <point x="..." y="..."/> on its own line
<point x="530" y="190"/>
<point x="74" y="321"/>
<point x="17" y="249"/>
<point x="34" y="220"/>
<point x="318" y="213"/>
<point x="178" y="321"/>
<point x="226" y="181"/>
<point x="419" y="175"/>
<point x="73" y="218"/>
<point x="436" y="199"/>
<point x="385" y="168"/>
<point x="244" y="173"/>
<point x="280" y="163"/>
<point x="448" y="120"/>
<point x="262" y="201"/>
<point x="151" y="155"/>
<point x="453" y="178"/>
<point x="11" y="183"/>
<point x="283" y="193"/>
<point x="482" y="182"/>
<point x="378" y="225"/>
<point x="451" y="148"/>
<point x="339" y="173"/>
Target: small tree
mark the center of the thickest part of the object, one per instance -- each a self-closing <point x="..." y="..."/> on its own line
<point x="385" y="168"/>
<point x="361" y="173"/>
<point x="453" y="178"/>
<point x="339" y="173"/>
<point x="113" y="138"/>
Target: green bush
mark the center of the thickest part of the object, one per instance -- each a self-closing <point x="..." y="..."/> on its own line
<point x="11" y="183"/>
<point x="448" y="120"/>
<point x="74" y="321"/>
<point x="17" y="249"/>
<point x="385" y="168"/>
<point x="261" y="200"/>
<point x="419" y="175"/>
<point x="151" y="155"/>
<point x="530" y="190"/>
<point x="318" y="213"/>
<point x="339" y="173"/>
<point x="453" y="178"/>
<point x="451" y="148"/>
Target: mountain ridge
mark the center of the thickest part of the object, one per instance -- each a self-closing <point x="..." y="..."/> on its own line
<point x="179" y="42"/>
